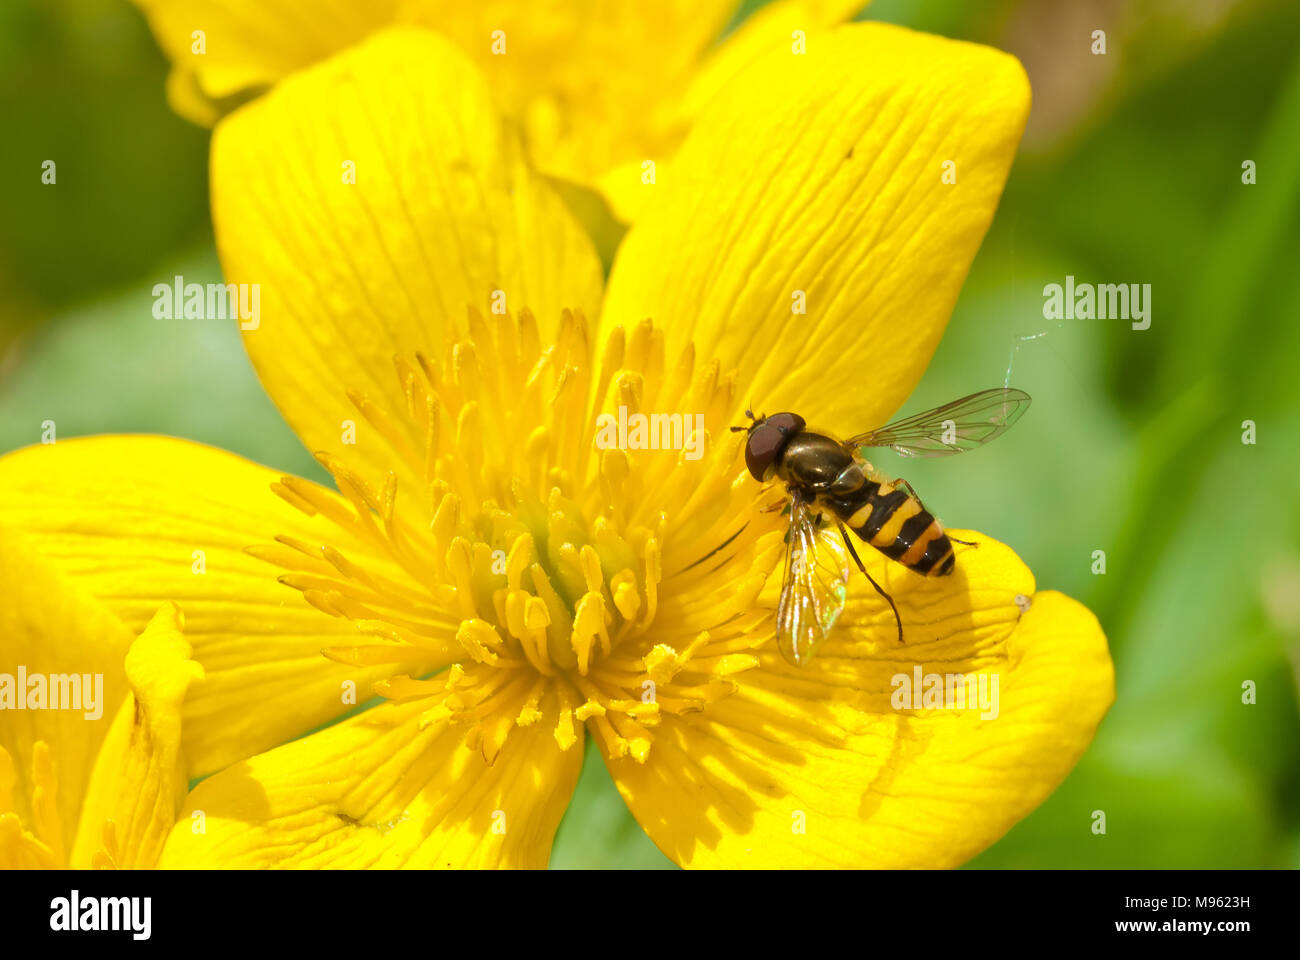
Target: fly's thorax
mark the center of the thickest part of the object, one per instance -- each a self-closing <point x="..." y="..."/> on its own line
<point x="816" y="463"/>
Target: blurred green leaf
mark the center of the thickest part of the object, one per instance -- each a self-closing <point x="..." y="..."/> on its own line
<point x="598" y="830"/>
<point x="114" y="368"/>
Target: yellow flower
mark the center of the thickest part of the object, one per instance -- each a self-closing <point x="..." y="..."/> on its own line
<point x="596" y="89"/>
<point x="502" y="580"/>
<point x="91" y="769"/>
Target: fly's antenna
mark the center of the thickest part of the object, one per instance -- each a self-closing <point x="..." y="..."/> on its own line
<point x="753" y="420"/>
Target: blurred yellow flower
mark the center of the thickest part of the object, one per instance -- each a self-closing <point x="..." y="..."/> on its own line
<point x="595" y="89"/>
<point x="502" y="580"/>
<point x="96" y="781"/>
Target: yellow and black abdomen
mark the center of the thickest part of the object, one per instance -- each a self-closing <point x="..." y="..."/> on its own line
<point x="894" y="522"/>
<point x="887" y="517"/>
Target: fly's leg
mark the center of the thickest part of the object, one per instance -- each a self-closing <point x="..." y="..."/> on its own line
<point x="720" y="546"/>
<point x="915" y="496"/>
<point x="858" y="560"/>
<point x="903" y="483"/>
<point x="849" y="543"/>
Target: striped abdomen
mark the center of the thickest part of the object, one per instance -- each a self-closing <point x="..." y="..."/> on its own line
<point x="894" y="522"/>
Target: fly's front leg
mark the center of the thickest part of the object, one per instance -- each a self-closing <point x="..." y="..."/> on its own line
<point x="782" y="505"/>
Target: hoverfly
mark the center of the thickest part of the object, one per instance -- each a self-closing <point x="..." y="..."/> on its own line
<point x="823" y="476"/>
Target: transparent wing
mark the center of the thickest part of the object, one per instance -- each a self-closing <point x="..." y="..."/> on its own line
<point x="953" y="428"/>
<point x="816" y="583"/>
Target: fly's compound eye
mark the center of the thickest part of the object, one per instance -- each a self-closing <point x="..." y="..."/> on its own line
<point x="767" y="440"/>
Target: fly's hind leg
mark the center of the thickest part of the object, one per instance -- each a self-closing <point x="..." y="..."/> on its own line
<point x="915" y="496"/>
<point x="853" y="553"/>
<point x="861" y="566"/>
<point x="903" y="483"/>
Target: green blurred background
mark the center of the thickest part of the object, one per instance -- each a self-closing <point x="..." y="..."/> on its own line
<point x="1130" y="172"/>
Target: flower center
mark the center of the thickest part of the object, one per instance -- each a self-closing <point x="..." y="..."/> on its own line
<point x="39" y="842"/>
<point x="531" y="552"/>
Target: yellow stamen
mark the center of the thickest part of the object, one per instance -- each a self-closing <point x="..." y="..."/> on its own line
<point x="531" y="558"/>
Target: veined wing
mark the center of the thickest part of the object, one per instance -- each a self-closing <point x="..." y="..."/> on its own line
<point x="953" y="428"/>
<point x="816" y="583"/>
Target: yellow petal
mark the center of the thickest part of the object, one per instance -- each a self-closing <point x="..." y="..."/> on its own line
<point x="137" y="521"/>
<point x="624" y="188"/>
<point x="384" y="789"/>
<point x="139" y="779"/>
<point x="443" y="215"/>
<point x="819" y="178"/>
<point x="186" y="97"/>
<point x="826" y="765"/>
<point x="69" y="648"/>
<point x="592" y="85"/>
<point x="773" y="26"/>
<point x="248" y="45"/>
